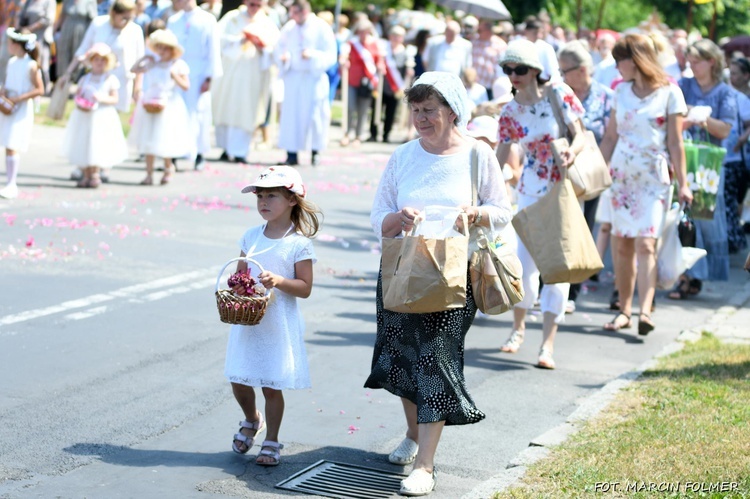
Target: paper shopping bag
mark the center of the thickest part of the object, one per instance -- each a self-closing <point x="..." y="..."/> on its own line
<point x="59" y="99"/>
<point x="496" y="274"/>
<point x="555" y="233"/>
<point x="422" y="275"/>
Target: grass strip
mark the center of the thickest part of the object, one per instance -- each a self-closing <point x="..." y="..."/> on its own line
<point x="681" y="430"/>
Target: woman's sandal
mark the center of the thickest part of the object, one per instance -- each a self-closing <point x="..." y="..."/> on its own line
<point x="247" y="440"/>
<point x="269" y="449"/>
<point x="405" y="453"/>
<point x="615" y="325"/>
<point x="83" y="183"/>
<point x="514" y="342"/>
<point x="418" y="483"/>
<point x="681" y="290"/>
<point x="645" y="324"/>
<point x="545" y="360"/>
<point x="147" y="181"/>
<point x="614" y="300"/>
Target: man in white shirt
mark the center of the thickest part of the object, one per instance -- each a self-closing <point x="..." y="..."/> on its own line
<point x="196" y="31"/>
<point x="451" y="55"/>
<point x="606" y="71"/>
<point x="533" y="30"/>
<point x="306" y="49"/>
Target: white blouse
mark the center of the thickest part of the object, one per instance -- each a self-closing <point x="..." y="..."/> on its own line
<point x="417" y="178"/>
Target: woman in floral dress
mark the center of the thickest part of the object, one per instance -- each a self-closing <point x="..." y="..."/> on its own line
<point x="640" y="142"/>
<point x="529" y="120"/>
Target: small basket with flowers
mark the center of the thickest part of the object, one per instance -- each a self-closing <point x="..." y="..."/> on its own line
<point x="248" y="307"/>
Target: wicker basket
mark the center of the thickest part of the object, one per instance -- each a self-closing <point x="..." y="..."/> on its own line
<point x="244" y="310"/>
<point x="153" y="107"/>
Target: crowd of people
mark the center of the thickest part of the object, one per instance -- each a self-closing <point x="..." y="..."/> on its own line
<point x="185" y="71"/>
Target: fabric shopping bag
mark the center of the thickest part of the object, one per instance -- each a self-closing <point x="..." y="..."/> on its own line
<point x="555" y="233"/>
<point x="496" y="275"/>
<point x="589" y="172"/>
<point x="703" y="161"/>
<point x="423" y="274"/>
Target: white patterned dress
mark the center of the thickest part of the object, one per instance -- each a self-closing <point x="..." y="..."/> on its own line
<point x="640" y="162"/>
<point x="272" y="354"/>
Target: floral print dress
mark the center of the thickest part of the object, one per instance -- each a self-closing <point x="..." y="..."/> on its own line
<point x="534" y="127"/>
<point x="640" y="162"/>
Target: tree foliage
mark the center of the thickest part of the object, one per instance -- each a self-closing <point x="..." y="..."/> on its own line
<point x="733" y="16"/>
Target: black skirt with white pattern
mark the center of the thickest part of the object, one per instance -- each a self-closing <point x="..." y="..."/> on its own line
<point x="420" y="357"/>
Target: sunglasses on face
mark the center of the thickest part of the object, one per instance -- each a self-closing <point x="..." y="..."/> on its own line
<point x="519" y="70"/>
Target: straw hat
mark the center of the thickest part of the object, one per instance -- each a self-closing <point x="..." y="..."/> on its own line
<point x="102" y="50"/>
<point x="167" y="38"/>
<point x="522" y="52"/>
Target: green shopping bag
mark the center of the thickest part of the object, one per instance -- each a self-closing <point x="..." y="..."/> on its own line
<point x="703" y="161"/>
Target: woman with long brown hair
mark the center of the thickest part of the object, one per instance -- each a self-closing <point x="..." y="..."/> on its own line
<point x="640" y="143"/>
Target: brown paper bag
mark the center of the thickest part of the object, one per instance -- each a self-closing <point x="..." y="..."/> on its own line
<point x="555" y="232"/>
<point x="422" y="275"/>
<point x="59" y="99"/>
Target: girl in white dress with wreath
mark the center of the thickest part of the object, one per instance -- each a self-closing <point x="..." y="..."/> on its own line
<point x="93" y="135"/>
<point x="160" y="122"/>
<point x="271" y="355"/>
<point x="23" y="82"/>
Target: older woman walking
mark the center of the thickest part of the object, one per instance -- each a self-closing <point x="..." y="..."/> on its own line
<point x="706" y="88"/>
<point x="419" y="357"/>
<point x="640" y="143"/>
<point x="529" y="120"/>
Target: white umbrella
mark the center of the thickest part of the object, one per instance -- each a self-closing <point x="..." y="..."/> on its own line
<point x="488" y="9"/>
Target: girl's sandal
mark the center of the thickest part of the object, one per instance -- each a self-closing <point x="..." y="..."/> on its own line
<point x="616" y="324"/>
<point x="645" y="324"/>
<point x="241" y="440"/>
<point x="269" y="449"/>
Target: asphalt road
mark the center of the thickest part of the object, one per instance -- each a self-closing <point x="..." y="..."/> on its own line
<point x="111" y="351"/>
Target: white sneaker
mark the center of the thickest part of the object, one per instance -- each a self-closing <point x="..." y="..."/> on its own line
<point x="570" y="307"/>
<point x="9" y="191"/>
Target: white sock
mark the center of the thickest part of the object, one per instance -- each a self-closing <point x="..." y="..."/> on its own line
<point x="11" y="168"/>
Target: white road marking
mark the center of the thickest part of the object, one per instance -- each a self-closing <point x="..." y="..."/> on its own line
<point x="199" y="280"/>
<point x="86" y="313"/>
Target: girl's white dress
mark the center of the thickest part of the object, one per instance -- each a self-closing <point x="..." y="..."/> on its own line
<point x="95" y="138"/>
<point x="165" y="134"/>
<point x="272" y="354"/>
<point x="15" y="128"/>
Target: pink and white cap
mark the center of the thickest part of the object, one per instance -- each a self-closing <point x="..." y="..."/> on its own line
<point x="279" y="176"/>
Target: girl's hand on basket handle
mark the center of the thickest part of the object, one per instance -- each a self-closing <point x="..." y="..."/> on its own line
<point x="239" y="290"/>
<point x="270" y="280"/>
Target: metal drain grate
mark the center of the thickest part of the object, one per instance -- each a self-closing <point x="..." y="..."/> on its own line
<point x="339" y="480"/>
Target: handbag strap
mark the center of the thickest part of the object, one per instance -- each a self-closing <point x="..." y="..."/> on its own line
<point x="474" y="173"/>
<point x="554" y="101"/>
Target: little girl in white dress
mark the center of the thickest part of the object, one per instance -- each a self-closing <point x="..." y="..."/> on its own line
<point x="23" y="82"/>
<point x="160" y="122"/>
<point x="93" y="136"/>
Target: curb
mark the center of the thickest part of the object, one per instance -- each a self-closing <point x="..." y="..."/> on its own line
<point x="540" y="446"/>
